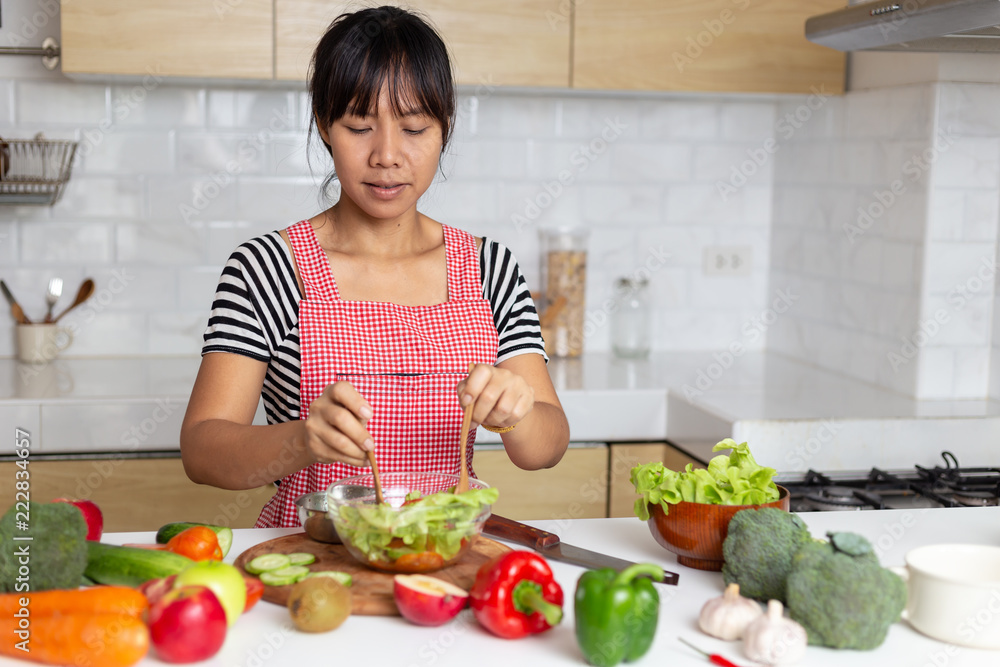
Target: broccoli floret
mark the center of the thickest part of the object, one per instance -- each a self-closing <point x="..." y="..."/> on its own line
<point x="842" y="596"/>
<point x="758" y="551"/>
<point x="56" y="553"/>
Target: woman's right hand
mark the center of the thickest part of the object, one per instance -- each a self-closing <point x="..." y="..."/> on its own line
<point x="335" y="430"/>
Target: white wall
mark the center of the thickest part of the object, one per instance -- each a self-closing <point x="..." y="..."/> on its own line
<point x="887" y="208"/>
<point x="171" y="178"/>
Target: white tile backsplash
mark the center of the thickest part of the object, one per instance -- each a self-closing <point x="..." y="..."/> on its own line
<point x="970" y="109"/>
<point x="679" y="120"/>
<point x="6" y="103"/>
<point x="909" y="240"/>
<point x="178" y="176"/>
<point x="163" y="106"/>
<point x="969" y="163"/>
<point x="39" y="104"/>
<point x="121" y="151"/>
<point x="79" y="243"/>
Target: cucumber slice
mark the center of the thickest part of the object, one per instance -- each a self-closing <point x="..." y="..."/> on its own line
<point x="341" y="577"/>
<point x="284" y="576"/>
<point x="301" y="558"/>
<point x="268" y="562"/>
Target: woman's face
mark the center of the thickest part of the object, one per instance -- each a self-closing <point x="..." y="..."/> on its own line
<point x="385" y="162"/>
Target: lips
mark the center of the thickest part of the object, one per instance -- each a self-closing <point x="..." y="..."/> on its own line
<point x="385" y="189"/>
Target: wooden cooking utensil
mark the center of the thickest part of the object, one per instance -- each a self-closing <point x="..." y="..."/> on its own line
<point x="85" y="292"/>
<point x="463" y="475"/>
<point x="378" y="481"/>
<point x="552" y="311"/>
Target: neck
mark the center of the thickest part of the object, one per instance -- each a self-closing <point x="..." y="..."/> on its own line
<point x="345" y="228"/>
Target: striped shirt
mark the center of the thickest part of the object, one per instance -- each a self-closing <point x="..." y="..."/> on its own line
<point x="256" y="314"/>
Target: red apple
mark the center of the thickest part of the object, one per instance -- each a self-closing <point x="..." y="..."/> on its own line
<point x="427" y="600"/>
<point x="187" y="624"/>
<point x="92" y="513"/>
<point x="154" y="589"/>
<point x="225" y="580"/>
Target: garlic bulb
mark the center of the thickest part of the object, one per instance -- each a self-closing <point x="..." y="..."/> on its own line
<point x="774" y="639"/>
<point x="726" y="617"/>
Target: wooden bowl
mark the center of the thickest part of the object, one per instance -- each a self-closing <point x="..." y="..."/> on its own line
<point x="695" y="531"/>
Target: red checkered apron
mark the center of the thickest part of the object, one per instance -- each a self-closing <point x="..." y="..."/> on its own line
<point x="405" y="360"/>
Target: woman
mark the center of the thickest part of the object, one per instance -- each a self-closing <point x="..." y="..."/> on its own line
<point x="359" y="325"/>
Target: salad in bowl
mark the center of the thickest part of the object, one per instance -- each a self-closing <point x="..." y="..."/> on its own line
<point x="422" y="526"/>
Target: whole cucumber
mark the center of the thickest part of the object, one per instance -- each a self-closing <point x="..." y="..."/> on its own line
<point x="224" y="533"/>
<point x="130" y="566"/>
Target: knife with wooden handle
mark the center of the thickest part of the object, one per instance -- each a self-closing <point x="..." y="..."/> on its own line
<point x="550" y="546"/>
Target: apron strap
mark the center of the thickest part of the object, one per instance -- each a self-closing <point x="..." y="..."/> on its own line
<point x="312" y="262"/>
<point x="464" y="279"/>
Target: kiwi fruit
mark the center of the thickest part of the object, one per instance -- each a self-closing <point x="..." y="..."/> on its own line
<point x="319" y="604"/>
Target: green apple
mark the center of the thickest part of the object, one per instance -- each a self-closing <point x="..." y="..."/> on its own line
<point x="224" y="580"/>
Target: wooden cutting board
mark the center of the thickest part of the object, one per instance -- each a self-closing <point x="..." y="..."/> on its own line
<point x="371" y="590"/>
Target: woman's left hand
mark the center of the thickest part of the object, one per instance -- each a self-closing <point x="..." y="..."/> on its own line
<point x="502" y="398"/>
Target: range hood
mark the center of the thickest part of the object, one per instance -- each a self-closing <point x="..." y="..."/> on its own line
<point x="968" y="26"/>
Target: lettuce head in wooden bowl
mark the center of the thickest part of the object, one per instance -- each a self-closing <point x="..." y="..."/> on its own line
<point x="688" y="511"/>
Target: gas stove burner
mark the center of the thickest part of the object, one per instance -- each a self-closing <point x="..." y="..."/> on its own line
<point x="833" y="498"/>
<point x="975" y="498"/>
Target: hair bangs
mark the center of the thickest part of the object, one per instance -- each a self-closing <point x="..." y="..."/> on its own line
<point x="390" y="50"/>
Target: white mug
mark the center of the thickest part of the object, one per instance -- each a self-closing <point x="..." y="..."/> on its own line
<point x="954" y="593"/>
<point x="41" y="343"/>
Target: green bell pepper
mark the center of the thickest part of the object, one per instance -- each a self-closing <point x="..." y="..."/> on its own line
<point x="616" y="613"/>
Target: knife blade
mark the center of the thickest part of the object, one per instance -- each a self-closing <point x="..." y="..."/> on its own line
<point x="15" y="308"/>
<point x="550" y="546"/>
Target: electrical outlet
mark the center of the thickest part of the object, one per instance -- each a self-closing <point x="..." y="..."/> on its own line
<point x="735" y="260"/>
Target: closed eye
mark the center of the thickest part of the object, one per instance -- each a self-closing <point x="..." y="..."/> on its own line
<point x="416" y="132"/>
<point x="358" y="130"/>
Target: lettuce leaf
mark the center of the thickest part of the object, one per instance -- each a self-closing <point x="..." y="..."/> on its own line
<point x="733" y="479"/>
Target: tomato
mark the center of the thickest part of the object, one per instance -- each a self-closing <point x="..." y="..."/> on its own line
<point x="255" y="590"/>
<point x="425" y="561"/>
<point x="197" y="543"/>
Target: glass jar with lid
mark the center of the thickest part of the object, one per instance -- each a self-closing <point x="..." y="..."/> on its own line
<point x="630" y="322"/>
<point x="564" y="277"/>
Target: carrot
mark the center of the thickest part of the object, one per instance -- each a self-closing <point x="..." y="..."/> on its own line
<point x="109" y="640"/>
<point x="95" y="600"/>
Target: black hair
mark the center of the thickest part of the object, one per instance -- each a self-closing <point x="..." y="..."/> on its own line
<point x="364" y="50"/>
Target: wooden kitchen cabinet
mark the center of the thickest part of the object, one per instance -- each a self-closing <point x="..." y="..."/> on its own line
<point x="180" y="38"/>
<point x="753" y="46"/>
<point x="576" y="488"/>
<point x="625" y="456"/>
<point x="141" y="494"/>
<point x="492" y="42"/>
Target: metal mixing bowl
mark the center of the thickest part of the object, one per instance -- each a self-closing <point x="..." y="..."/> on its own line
<point x="314" y="518"/>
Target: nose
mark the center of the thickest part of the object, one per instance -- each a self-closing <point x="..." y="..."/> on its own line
<point x="385" y="147"/>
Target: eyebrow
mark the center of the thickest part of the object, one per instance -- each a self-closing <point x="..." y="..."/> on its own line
<point x="360" y="113"/>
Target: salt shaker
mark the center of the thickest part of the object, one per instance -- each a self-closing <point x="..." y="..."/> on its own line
<point x="630" y="322"/>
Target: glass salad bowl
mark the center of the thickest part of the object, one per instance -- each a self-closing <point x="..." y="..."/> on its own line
<point x="421" y="527"/>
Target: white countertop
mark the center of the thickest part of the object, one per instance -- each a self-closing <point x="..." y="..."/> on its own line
<point x="264" y="633"/>
<point x="777" y="404"/>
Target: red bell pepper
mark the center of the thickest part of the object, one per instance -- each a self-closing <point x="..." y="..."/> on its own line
<point x="514" y="595"/>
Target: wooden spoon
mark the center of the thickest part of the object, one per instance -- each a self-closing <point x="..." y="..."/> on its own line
<point x="463" y="475"/>
<point x="552" y="311"/>
<point x="85" y="292"/>
<point x="378" y="482"/>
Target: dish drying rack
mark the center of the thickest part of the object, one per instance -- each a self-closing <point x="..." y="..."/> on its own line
<point x="34" y="171"/>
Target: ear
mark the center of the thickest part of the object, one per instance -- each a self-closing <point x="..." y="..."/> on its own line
<point x="324" y="132"/>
